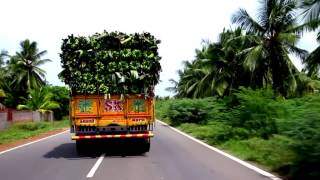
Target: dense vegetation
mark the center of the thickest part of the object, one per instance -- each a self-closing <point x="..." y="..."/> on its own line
<point x="23" y="84"/>
<point x="111" y="63"/>
<point x="281" y="134"/>
<point x="244" y="94"/>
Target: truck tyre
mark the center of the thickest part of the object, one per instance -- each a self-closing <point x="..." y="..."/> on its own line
<point x="80" y="147"/>
<point x="146" y="145"/>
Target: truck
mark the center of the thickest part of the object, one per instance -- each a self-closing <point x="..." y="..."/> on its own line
<point x="111" y="77"/>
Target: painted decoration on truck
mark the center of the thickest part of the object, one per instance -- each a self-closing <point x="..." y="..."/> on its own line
<point x="85" y="105"/>
<point x="113" y="105"/>
<point x="139" y="105"/>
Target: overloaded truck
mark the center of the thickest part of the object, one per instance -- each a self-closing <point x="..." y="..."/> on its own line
<point x="111" y="76"/>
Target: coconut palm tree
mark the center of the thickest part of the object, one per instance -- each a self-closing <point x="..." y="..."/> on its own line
<point x="312" y="64"/>
<point x="39" y="100"/>
<point x="223" y="64"/>
<point x="3" y="72"/>
<point x="25" y="65"/>
<point x="275" y="35"/>
<point x="190" y="76"/>
<point x="219" y="66"/>
<point x="311" y="15"/>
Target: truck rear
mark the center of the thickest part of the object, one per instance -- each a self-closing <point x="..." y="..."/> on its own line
<point x="102" y="117"/>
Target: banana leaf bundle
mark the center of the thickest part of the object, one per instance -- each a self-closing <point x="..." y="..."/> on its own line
<point x="110" y="63"/>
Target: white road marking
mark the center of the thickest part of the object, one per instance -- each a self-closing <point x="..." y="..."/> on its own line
<point x="95" y="166"/>
<point x="258" y="170"/>
<point x="27" y="144"/>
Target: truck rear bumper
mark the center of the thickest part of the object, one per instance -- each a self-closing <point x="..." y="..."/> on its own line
<point x="109" y="136"/>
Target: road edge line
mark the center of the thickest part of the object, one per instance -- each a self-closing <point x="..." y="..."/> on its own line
<point x="32" y="142"/>
<point x="248" y="165"/>
<point x="95" y="166"/>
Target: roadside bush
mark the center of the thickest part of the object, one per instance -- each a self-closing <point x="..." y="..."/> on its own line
<point x="213" y="133"/>
<point x="162" y="107"/>
<point x="274" y="152"/>
<point x="240" y="133"/>
<point x="258" y="111"/>
<point x="303" y="125"/>
<point x="31" y="126"/>
<point x="61" y="96"/>
<point x="189" y="111"/>
<point x="255" y="125"/>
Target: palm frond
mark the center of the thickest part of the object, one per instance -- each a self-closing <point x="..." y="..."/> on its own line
<point x="245" y="21"/>
<point x="22" y="107"/>
<point x="311" y="9"/>
<point x="41" y="62"/>
<point x="252" y="58"/>
<point x="301" y="53"/>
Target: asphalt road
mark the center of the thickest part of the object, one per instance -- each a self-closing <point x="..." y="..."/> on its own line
<point x="172" y="157"/>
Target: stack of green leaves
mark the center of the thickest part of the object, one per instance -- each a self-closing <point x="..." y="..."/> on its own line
<point x="111" y="63"/>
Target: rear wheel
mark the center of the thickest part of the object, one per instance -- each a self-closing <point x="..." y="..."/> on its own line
<point x="80" y="146"/>
<point x="146" y="145"/>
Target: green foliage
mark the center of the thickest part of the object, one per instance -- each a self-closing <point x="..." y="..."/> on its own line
<point x="189" y="111"/>
<point x="255" y="54"/>
<point x="24" y="66"/>
<point x="281" y="134"/>
<point x="213" y="133"/>
<point x="162" y="108"/>
<point x="62" y="97"/>
<point x="274" y="153"/>
<point x="31" y="126"/>
<point x="275" y="34"/>
<point x="110" y="63"/>
<point x="21" y="73"/>
<point x="39" y="100"/>
<point x="2" y="93"/>
<point x="259" y="110"/>
<point x="216" y="70"/>
<point x="302" y="123"/>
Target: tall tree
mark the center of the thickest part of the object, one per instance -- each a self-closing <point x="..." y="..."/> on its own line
<point x="217" y="68"/>
<point x="311" y="15"/>
<point x="25" y="65"/>
<point x="3" y="73"/>
<point x="190" y="77"/>
<point x="275" y="35"/>
<point x="222" y="63"/>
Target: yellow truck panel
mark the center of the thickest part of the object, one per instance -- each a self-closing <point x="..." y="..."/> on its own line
<point x="93" y="115"/>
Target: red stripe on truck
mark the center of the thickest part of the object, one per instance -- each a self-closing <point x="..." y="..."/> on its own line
<point x="144" y="135"/>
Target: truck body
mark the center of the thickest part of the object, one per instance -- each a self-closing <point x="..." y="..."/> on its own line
<point x="104" y="117"/>
<point x="111" y="76"/>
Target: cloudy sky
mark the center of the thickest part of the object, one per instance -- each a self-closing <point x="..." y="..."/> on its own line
<point x="180" y="24"/>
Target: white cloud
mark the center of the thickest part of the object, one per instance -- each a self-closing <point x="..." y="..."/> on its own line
<point x="180" y="24"/>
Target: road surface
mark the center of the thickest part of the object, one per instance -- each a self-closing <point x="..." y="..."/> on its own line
<point x="172" y="157"/>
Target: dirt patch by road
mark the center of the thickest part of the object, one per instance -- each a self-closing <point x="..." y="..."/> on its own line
<point x="4" y="147"/>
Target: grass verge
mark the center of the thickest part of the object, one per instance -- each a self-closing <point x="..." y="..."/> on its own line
<point x="25" y="130"/>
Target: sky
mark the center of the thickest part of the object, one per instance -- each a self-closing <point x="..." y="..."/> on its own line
<point x="181" y="25"/>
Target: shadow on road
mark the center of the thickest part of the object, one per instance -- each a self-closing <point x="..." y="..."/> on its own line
<point x="95" y="149"/>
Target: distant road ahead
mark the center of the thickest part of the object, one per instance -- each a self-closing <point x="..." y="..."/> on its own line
<point x="172" y="157"/>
